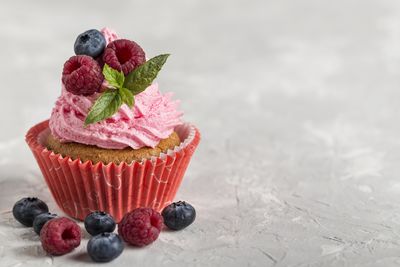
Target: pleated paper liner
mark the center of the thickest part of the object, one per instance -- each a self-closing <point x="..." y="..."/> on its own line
<point x="82" y="187"/>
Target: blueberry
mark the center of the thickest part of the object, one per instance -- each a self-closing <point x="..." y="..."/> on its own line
<point x="99" y="222"/>
<point x="26" y="209"/>
<point x="90" y="43"/>
<point x="178" y="215"/>
<point x="41" y="219"/>
<point x="105" y="247"/>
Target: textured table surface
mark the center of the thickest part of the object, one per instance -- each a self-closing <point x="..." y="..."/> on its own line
<point x="298" y="103"/>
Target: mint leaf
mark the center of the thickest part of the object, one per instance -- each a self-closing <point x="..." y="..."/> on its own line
<point x="140" y="78"/>
<point x="104" y="107"/>
<point x="125" y="88"/>
<point x="127" y="97"/>
<point x="114" y="77"/>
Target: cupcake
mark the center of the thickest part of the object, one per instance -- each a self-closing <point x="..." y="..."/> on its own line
<point x="113" y="142"/>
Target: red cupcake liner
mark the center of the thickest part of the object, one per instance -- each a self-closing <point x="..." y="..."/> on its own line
<point x="82" y="187"/>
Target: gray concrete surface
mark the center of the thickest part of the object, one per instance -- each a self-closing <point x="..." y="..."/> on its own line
<point x="298" y="103"/>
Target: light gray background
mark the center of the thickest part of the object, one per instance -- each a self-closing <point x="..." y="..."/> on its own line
<point x="298" y="103"/>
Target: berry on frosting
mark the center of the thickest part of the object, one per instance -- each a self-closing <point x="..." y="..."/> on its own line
<point x="90" y="43"/>
<point x="140" y="227"/>
<point x="82" y="75"/>
<point x="124" y="55"/>
<point x="60" y="236"/>
<point x="26" y="210"/>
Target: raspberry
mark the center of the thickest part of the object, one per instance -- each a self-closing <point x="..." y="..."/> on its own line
<point x="60" y="236"/>
<point x="82" y="75"/>
<point x="124" y="55"/>
<point x="140" y="227"/>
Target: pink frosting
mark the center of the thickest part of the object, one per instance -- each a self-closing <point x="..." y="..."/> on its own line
<point x="109" y="34"/>
<point x="153" y="118"/>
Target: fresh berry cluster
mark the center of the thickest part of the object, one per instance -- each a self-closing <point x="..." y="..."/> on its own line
<point x="105" y="245"/>
<point x="26" y="210"/>
<point x="82" y="73"/>
<point x="140" y="227"/>
<point x="59" y="235"/>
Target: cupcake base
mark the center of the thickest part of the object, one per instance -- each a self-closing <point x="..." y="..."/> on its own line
<point x="80" y="187"/>
<point x="97" y="154"/>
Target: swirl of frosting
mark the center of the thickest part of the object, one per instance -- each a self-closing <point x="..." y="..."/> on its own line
<point x="152" y="119"/>
<point x="109" y="34"/>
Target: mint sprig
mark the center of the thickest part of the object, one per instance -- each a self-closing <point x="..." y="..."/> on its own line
<point x="122" y="90"/>
<point x="104" y="107"/>
<point x="127" y="97"/>
<point x="140" y="78"/>
<point x="113" y="77"/>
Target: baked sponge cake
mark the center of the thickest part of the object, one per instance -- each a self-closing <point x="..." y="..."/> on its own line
<point x="97" y="154"/>
<point x="114" y="141"/>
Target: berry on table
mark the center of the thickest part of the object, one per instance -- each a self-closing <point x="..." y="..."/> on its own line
<point x="26" y="209"/>
<point x="41" y="219"/>
<point x="60" y="236"/>
<point x="124" y="55"/>
<point x="90" y="43"/>
<point x="82" y="75"/>
<point x="99" y="222"/>
<point x="178" y="215"/>
<point x="105" y="247"/>
<point x="140" y="227"/>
